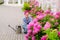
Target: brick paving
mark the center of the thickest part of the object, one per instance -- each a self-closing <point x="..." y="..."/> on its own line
<point x="12" y="36"/>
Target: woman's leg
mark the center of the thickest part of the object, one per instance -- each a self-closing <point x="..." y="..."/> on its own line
<point x="25" y="28"/>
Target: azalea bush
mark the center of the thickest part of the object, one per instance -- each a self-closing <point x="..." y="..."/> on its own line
<point x="32" y="7"/>
<point x="45" y="25"/>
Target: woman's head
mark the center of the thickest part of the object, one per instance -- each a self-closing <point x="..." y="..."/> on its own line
<point x="26" y="14"/>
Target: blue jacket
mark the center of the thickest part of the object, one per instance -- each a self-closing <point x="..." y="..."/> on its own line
<point x="27" y="21"/>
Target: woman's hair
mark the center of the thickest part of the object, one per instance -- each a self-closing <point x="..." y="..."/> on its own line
<point x="25" y="12"/>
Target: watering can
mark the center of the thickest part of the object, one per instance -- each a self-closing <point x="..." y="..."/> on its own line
<point x="18" y="30"/>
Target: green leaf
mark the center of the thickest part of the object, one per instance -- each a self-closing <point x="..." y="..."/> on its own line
<point x="53" y="35"/>
<point x="26" y="6"/>
<point x="59" y="27"/>
<point x="48" y="31"/>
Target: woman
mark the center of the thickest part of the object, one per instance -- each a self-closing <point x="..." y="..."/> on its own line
<point x="26" y="21"/>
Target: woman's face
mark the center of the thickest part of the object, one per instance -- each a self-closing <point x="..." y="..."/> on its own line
<point x="26" y="15"/>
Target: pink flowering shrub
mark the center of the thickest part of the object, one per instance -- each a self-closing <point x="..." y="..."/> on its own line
<point x="47" y="25"/>
<point x="47" y="11"/>
<point x="44" y="26"/>
<point x="44" y="37"/>
<point x="59" y="34"/>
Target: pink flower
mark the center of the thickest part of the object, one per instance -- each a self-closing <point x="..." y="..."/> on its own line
<point x="36" y="24"/>
<point x="26" y="37"/>
<point x="35" y="31"/>
<point x="59" y="34"/>
<point x="38" y="13"/>
<point x="51" y="14"/>
<point x="44" y="15"/>
<point x="56" y="16"/>
<point x="56" y="23"/>
<point x="29" y="31"/>
<point x="36" y="28"/>
<point x="58" y="13"/>
<point x="36" y="3"/>
<point x="47" y="25"/>
<point x="26" y="12"/>
<point x="31" y="23"/>
<point x="39" y="27"/>
<point x="28" y="26"/>
<point x="48" y="11"/>
<point x="44" y="37"/>
<point x="33" y="38"/>
<point x="35" y="20"/>
<point x="29" y="34"/>
<point x="40" y="17"/>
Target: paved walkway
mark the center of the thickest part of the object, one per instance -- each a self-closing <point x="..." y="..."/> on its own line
<point x="11" y="36"/>
<point x="12" y="16"/>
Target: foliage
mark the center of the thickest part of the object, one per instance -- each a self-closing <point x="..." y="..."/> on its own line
<point x="26" y="6"/>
